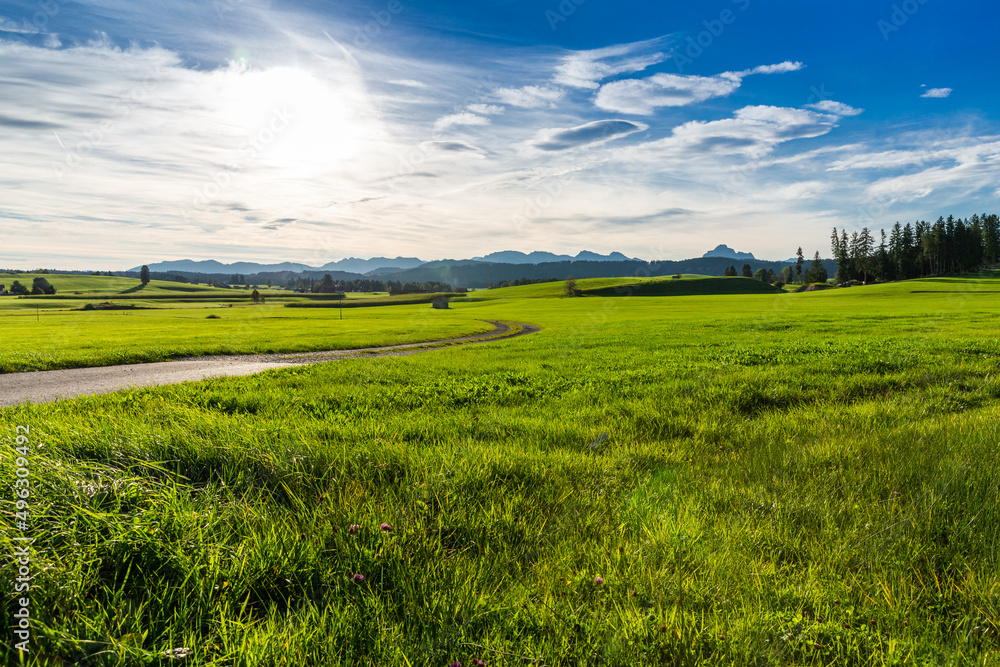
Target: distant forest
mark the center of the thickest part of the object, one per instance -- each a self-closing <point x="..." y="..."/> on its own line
<point x="917" y="250"/>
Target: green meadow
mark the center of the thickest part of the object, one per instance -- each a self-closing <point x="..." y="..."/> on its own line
<point x="167" y="320"/>
<point x="68" y="339"/>
<point x="691" y="478"/>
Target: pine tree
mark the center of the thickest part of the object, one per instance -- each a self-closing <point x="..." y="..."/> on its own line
<point x="840" y="255"/>
<point x="991" y="238"/>
<point x="817" y="272"/>
<point x="883" y="265"/>
<point x="866" y="252"/>
<point x="144" y="275"/>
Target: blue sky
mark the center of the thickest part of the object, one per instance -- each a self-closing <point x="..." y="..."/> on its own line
<point x="312" y="131"/>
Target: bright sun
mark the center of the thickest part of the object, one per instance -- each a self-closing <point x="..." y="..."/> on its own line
<point x="293" y="121"/>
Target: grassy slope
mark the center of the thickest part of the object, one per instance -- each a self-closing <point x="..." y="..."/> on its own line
<point x="701" y="286"/>
<point x="73" y="291"/>
<point x="766" y="480"/>
<point x="360" y="301"/>
<point x="72" y="284"/>
<point x="555" y="289"/>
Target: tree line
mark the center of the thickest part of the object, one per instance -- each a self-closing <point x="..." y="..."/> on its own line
<point x="327" y="285"/>
<point x="916" y="250"/>
<point x="38" y="286"/>
<point x="524" y="281"/>
<point x="816" y="273"/>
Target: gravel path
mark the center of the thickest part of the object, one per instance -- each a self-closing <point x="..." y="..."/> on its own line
<point x="45" y="386"/>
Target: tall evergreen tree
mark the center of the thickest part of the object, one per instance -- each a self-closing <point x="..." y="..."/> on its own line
<point x="991" y="238"/>
<point x="882" y="261"/>
<point x="839" y="250"/>
<point x="866" y="253"/>
<point x="144" y="275"/>
<point x="817" y="272"/>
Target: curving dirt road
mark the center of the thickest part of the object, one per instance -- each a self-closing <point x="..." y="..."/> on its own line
<point x="45" y="386"/>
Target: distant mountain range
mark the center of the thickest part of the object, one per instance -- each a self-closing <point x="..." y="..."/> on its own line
<point x="538" y="257"/>
<point x="373" y="265"/>
<point x="495" y="268"/>
<point x="723" y="250"/>
<point x="349" y="265"/>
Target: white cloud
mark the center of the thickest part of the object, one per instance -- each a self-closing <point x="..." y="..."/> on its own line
<point x="836" y="108"/>
<point x="462" y="118"/>
<point x="752" y="132"/>
<point x="937" y="92"/>
<point x="588" y="134"/>
<point x="584" y="69"/>
<point x="932" y="149"/>
<point x="643" y="96"/>
<point x="780" y="68"/>
<point x="409" y="83"/>
<point x="530" y="97"/>
<point x="23" y="28"/>
<point x="964" y="179"/>
<point x="459" y="147"/>
<point x="485" y="109"/>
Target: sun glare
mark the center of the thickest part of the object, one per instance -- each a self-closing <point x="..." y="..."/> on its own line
<point x="292" y="121"/>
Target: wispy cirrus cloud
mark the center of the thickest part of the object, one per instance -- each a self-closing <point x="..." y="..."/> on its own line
<point x="455" y="147"/>
<point x="530" y="97"/>
<point x="585" y="69"/>
<point x="409" y="83"/>
<point x="462" y="118"/>
<point x="751" y="132"/>
<point x="644" y="96"/>
<point x="485" y="109"/>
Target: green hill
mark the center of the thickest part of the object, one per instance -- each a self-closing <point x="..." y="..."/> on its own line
<point x="69" y="284"/>
<point x="686" y="287"/>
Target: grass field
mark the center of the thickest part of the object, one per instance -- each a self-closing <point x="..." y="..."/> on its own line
<point x="752" y="479"/>
<point x="73" y="291"/>
<point x="67" y="339"/>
